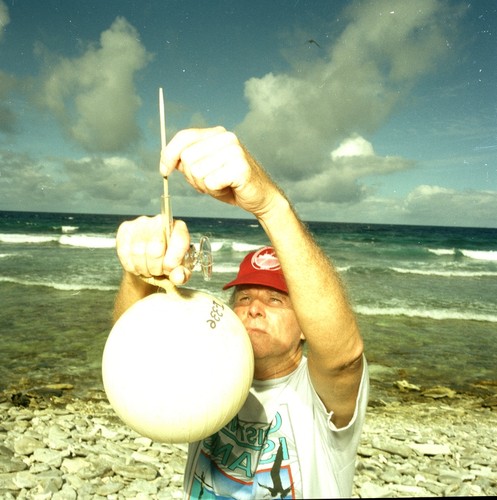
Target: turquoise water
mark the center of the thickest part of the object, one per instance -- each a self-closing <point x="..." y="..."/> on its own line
<point x="426" y="297"/>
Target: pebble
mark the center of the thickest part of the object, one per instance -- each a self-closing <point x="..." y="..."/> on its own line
<point x="426" y="449"/>
<point x="81" y="450"/>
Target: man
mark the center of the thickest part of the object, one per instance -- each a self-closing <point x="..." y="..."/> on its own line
<point x="298" y="432"/>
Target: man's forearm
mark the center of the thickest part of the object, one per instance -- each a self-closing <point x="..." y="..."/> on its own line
<point x="317" y="294"/>
<point x="132" y="289"/>
<point x="334" y="344"/>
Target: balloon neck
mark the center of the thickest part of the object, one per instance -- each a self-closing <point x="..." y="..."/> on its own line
<point x="163" y="283"/>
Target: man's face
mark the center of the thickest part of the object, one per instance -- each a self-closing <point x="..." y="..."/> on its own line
<point x="270" y="320"/>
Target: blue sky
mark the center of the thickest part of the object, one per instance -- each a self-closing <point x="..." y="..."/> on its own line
<point x="388" y="116"/>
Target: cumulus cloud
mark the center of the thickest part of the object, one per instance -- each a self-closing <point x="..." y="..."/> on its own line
<point x="426" y="204"/>
<point x="296" y="119"/>
<point x="24" y="181"/>
<point x="337" y="181"/>
<point x="4" y="18"/>
<point x="450" y="207"/>
<point x="93" y="96"/>
<point x="353" y="146"/>
<point x="91" y="184"/>
<point x="113" y="180"/>
<point x="7" y="82"/>
<point x="8" y="119"/>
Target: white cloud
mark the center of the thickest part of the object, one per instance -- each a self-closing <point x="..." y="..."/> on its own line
<point x="423" y="205"/>
<point x="297" y="119"/>
<point x="4" y="18"/>
<point x="7" y="82"/>
<point x="8" y="119"/>
<point x="91" y="184"/>
<point x="353" y="146"/>
<point x="113" y="180"/>
<point x="450" y="207"/>
<point x="93" y="96"/>
<point x="339" y="177"/>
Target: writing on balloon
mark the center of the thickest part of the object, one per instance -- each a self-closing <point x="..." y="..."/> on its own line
<point x="216" y="314"/>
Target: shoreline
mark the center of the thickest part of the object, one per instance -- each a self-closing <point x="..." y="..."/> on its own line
<point x="412" y="445"/>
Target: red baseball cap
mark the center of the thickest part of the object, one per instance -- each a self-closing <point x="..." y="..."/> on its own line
<point x="261" y="267"/>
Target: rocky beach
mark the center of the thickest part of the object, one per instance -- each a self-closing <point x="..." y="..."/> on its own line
<point x="416" y="443"/>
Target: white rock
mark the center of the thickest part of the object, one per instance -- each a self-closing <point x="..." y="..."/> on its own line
<point x="109" y="488"/>
<point x="57" y="432"/>
<point x="27" y="445"/>
<point x="144" y="457"/>
<point x="371" y="490"/>
<point x="49" y="457"/>
<point x="66" y="493"/>
<point x="417" y="491"/>
<point x="25" y="479"/>
<point x="143" y="441"/>
<point x="430" y="449"/>
<point x="74" y="465"/>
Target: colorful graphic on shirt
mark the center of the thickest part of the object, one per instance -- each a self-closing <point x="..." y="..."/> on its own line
<point x="249" y="459"/>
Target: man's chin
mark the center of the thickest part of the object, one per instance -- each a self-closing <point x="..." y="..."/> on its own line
<point x="256" y="332"/>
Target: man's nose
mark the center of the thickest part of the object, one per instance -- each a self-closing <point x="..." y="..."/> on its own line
<point x="256" y="308"/>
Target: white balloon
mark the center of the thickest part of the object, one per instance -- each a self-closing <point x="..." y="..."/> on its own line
<point x="177" y="367"/>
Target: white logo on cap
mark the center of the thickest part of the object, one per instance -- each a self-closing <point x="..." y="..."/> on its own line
<point x="265" y="260"/>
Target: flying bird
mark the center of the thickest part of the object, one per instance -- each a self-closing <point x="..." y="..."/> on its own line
<point x="314" y="42"/>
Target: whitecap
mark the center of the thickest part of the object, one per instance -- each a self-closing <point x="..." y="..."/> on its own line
<point x="444" y="273"/>
<point x="244" y="247"/>
<point x="59" y="286"/>
<point x="87" y="241"/>
<point x="487" y="255"/>
<point x="26" y="238"/>
<point x="69" y="229"/>
<point x="225" y="268"/>
<point x="442" y="251"/>
<point x="436" y="314"/>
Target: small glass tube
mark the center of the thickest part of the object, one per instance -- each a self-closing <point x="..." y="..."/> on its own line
<point x="167" y="216"/>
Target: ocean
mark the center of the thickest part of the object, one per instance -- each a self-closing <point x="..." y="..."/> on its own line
<point x="425" y="297"/>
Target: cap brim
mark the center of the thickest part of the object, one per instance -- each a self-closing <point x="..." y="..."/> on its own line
<point x="260" y="279"/>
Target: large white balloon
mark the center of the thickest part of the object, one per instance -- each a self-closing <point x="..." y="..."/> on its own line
<point x="177" y="367"/>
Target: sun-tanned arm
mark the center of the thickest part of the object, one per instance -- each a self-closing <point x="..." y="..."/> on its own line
<point x="214" y="162"/>
<point x="334" y="344"/>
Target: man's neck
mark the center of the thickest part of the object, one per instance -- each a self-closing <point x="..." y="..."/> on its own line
<point x="268" y="369"/>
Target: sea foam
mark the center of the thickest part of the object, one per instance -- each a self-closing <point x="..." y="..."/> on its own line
<point x="449" y="273"/>
<point x="244" y="247"/>
<point x="58" y="286"/>
<point x="436" y="314"/>
<point x="74" y="240"/>
<point x="442" y="251"/>
<point x="488" y="255"/>
<point x="87" y="241"/>
<point x="69" y="229"/>
<point x="26" y="238"/>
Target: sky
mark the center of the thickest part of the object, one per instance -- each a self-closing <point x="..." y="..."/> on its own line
<point x="373" y="111"/>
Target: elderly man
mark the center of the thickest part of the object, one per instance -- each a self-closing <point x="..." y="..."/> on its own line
<point x="298" y="432"/>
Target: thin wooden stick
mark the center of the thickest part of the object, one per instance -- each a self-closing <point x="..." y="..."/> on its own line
<point x="162" y="281"/>
<point x="166" y="210"/>
<point x="162" y="116"/>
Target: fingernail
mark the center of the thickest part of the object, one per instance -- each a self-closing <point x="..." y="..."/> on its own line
<point x="178" y="276"/>
<point x="163" y="164"/>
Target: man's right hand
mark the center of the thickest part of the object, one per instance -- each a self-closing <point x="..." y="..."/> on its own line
<point x="143" y="251"/>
